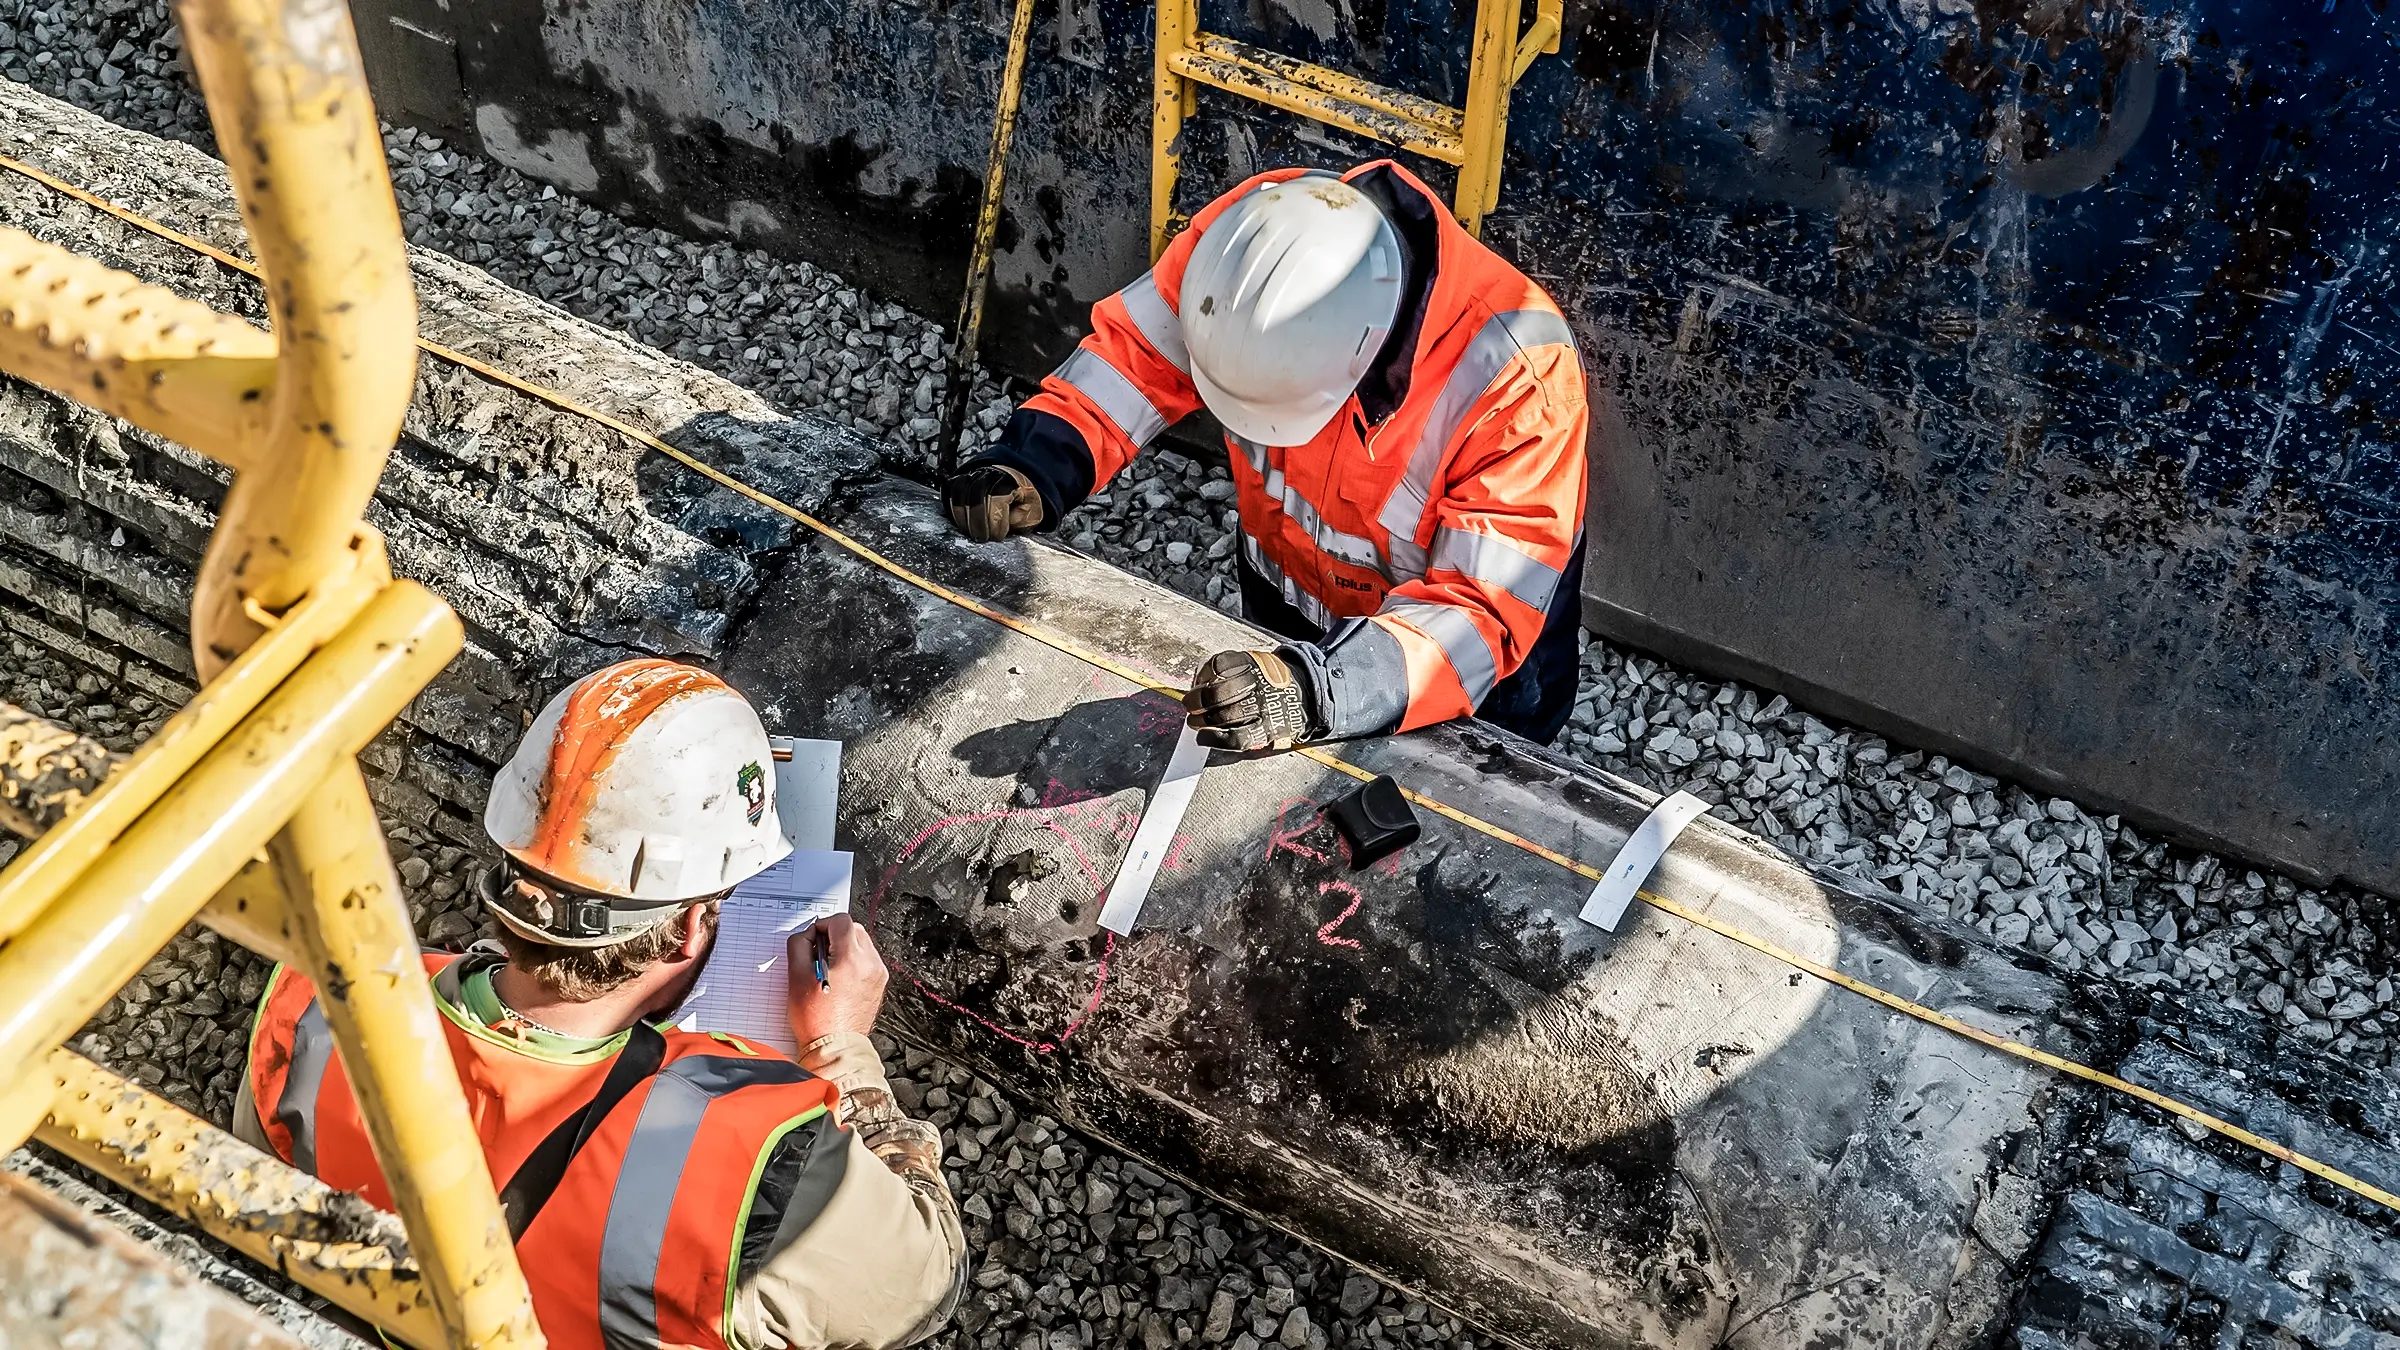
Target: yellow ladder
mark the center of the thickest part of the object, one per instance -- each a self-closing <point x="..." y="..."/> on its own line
<point x="1473" y="137"/>
<point x="247" y="809"/>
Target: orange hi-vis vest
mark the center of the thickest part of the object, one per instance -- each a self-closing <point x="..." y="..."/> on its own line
<point x="1449" y="523"/>
<point x="642" y="1240"/>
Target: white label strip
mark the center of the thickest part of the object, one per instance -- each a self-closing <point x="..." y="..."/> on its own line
<point x="1154" y="835"/>
<point x="1650" y="842"/>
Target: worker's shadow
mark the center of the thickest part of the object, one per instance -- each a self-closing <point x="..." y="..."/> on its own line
<point x="1092" y="750"/>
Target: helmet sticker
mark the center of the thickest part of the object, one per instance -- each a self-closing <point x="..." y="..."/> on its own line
<point x="752" y="781"/>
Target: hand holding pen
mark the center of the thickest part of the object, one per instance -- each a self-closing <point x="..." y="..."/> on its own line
<point x="847" y="991"/>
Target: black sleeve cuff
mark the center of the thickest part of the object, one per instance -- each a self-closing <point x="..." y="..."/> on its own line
<point x="1357" y="680"/>
<point x="1048" y="450"/>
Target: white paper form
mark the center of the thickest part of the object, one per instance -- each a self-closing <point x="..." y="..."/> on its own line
<point x="1631" y="867"/>
<point x="746" y="986"/>
<point x="1152" y="838"/>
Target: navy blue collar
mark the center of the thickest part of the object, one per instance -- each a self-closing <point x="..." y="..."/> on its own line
<point x="1415" y="218"/>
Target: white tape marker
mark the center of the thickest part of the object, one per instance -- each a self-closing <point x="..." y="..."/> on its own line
<point x="1650" y="842"/>
<point x="1154" y="835"/>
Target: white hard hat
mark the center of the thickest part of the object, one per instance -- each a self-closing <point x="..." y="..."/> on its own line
<point x="651" y="782"/>
<point x="1286" y="299"/>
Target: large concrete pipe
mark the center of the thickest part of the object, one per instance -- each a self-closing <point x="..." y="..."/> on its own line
<point x="1576" y="1138"/>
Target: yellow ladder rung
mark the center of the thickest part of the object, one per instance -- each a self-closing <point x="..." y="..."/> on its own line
<point x="1435" y="130"/>
<point x="1473" y="137"/>
<point x="1540" y="39"/>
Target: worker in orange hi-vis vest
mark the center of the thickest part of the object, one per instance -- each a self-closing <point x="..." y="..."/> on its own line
<point x="664" y="1187"/>
<point x="1406" y="418"/>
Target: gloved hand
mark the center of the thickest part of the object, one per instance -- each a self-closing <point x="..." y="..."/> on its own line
<point x="990" y="501"/>
<point x="1251" y="701"/>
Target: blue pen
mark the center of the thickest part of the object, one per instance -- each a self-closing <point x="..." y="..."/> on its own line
<point x="817" y="948"/>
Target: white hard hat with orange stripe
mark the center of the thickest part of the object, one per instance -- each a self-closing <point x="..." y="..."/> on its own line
<point x="639" y="790"/>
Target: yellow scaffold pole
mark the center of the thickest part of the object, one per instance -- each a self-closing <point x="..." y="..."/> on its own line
<point x="307" y="644"/>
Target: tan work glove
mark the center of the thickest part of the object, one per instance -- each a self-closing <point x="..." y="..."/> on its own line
<point x="990" y="501"/>
<point x="1249" y="701"/>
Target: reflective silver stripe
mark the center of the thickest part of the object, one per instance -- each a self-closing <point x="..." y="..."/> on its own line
<point x="636" y="1229"/>
<point x="1119" y="398"/>
<point x="1309" y="606"/>
<point x="1496" y="561"/>
<point x="1356" y="550"/>
<point x="635" y="1233"/>
<point x="1503" y="336"/>
<point x="1158" y="325"/>
<point x="1251" y="451"/>
<point x="1460" y="640"/>
<point x="296" y="1107"/>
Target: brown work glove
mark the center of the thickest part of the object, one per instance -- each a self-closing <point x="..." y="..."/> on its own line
<point x="1250" y="701"/>
<point x="990" y="501"/>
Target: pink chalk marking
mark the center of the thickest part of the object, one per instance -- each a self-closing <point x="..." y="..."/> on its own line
<point x="1090" y="1006"/>
<point x="1325" y="934"/>
<point x="1099" y="977"/>
<point x="1174" y="859"/>
<point x="1288" y="841"/>
<point x="1165" y="720"/>
<point x="1059" y="795"/>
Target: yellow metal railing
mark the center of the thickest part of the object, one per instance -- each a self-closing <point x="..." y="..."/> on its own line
<point x="1471" y="137"/>
<point x="247" y="809"/>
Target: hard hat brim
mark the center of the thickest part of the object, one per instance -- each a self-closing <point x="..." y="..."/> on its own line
<point x="774" y="853"/>
<point x="1279" y="424"/>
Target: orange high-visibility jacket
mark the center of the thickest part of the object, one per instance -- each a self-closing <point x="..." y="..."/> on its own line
<point x="637" y="1246"/>
<point x="1449" y="522"/>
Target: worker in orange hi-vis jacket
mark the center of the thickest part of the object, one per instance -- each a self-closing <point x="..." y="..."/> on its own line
<point x="1406" y="418"/>
<point x="664" y="1187"/>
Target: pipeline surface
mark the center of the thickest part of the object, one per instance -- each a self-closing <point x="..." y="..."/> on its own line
<point x="1430" y="1067"/>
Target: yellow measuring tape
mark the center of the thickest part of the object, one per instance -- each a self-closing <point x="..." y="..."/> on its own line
<point x="1139" y="679"/>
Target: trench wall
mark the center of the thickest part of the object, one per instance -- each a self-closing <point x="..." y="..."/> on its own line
<point x="2003" y="376"/>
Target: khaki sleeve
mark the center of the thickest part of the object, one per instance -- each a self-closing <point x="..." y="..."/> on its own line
<point x="884" y="1263"/>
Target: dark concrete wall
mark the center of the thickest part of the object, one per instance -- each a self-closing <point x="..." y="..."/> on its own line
<point x="2010" y="376"/>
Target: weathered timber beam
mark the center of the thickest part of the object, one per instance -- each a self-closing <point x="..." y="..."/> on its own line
<point x="1576" y="1139"/>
